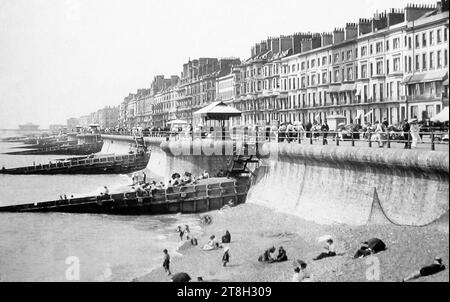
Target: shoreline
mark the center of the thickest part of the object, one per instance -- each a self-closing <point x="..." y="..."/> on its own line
<point x="255" y="228"/>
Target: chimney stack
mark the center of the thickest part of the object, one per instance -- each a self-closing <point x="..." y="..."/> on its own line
<point x="327" y="39"/>
<point x="351" y="31"/>
<point x="364" y="26"/>
<point x="415" y="11"/>
<point x="297" y="38"/>
<point x="338" y="35"/>
<point x="395" y="16"/>
<point x="379" y="21"/>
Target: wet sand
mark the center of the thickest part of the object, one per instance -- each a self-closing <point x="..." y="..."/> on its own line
<point x="255" y="228"/>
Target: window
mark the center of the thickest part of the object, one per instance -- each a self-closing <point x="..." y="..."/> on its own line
<point x="371" y="49"/>
<point x="379" y="47"/>
<point x="396" y="64"/>
<point x="313" y="80"/>
<point x="364" y="71"/>
<point x="424" y="39"/>
<point x="417" y="63"/>
<point x="445" y="57"/>
<point x="336" y="57"/>
<point x="350" y="73"/>
<point x="445" y="34"/>
<point x="324" y="78"/>
<point x="336" y="75"/>
<point x="371" y="69"/>
<point x="387" y="45"/>
<point x="438" y="36"/>
<point x="417" y="41"/>
<point x="303" y="65"/>
<point x="379" y="67"/>
<point x="313" y="63"/>
<point x="409" y="43"/>
<point x="349" y="54"/>
<point x="438" y="59"/>
<point x="431" y="37"/>
<point x="363" y="51"/>
<point x="424" y="61"/>
<point x="396" y="43"/>
<point x="431" y="59"/>
<point x="324" y="60"/>
<point x="342" y="56"/>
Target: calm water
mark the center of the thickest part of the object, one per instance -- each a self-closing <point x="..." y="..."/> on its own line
<point x="35" y="247"/>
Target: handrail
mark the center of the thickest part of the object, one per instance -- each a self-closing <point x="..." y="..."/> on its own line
<point x="435" y="136"/>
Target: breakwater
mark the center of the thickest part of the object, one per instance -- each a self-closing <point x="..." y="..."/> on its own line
<point x="326" y="184"/>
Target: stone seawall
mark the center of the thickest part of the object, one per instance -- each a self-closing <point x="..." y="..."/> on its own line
<point x="326" y="184"/>
<point x="330" y="184"/>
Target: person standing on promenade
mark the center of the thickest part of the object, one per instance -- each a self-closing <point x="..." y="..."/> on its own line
<point x="166" y="262"/>
<point x="226" y="256"/>
<point x="415" y="128"/>
<point x="428" y="270"/>
<point x="406" y="128"/>
<point x="325" y="128"/>
<point x="144" y="176"/>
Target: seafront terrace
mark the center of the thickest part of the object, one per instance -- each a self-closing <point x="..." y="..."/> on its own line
<point x="429" y="141"/>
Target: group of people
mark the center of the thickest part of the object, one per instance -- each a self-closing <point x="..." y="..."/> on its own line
<point x="408" y="131"/>
<point x="301" y="271"/>
<point x="267" y="256"/>
<point x="187" y="178"/>
<point x="290" y="132"/>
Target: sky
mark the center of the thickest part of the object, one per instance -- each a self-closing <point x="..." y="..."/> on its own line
<point x="68" y="58"/>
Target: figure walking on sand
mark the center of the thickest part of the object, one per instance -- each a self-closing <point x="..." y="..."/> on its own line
<point x="226" y="256"/>
<point x="166" y="263"/>
<point x="181" y="232"/>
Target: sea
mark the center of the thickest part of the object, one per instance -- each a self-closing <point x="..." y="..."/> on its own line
<point x="77" y="247"/>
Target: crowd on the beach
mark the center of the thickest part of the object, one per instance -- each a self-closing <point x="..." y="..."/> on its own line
<point x="301" y="269"/>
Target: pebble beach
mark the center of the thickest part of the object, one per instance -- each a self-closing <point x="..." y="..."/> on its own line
<point x="255" y="228"/>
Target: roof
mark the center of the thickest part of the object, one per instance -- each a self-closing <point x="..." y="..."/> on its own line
<point x="217" y="111"/>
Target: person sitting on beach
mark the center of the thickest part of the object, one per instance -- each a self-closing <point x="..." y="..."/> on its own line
<point x="330" y="250"/>
<point x="226" y="256"/>
<point x="369" y="247"/>
<point x="301" y="274"/>
<point x="212" y="244"/>
<point x="282" y="256"/>
<point x="266" y="257"/>
<point x="428" y="270"/>
<point x="227" y="237"/>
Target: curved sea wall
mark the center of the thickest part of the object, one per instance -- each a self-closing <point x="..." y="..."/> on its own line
<point x="326" y="184"/>
<point x="331" y="184"/>
<point x="179" y="156"/>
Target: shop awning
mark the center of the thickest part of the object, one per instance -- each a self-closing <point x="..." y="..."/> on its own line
<point x="441" y="116"/>
<point x="431" y="76"/>
<point x="334" y="89"/>
<point x="347" y="87"/>
<point x="445" y="83"/>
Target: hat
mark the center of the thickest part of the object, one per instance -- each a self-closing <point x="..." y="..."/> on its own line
<point x="438" y="259"/>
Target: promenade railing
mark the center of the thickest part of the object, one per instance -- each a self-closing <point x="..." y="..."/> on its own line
<point x="430" y="140"/>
